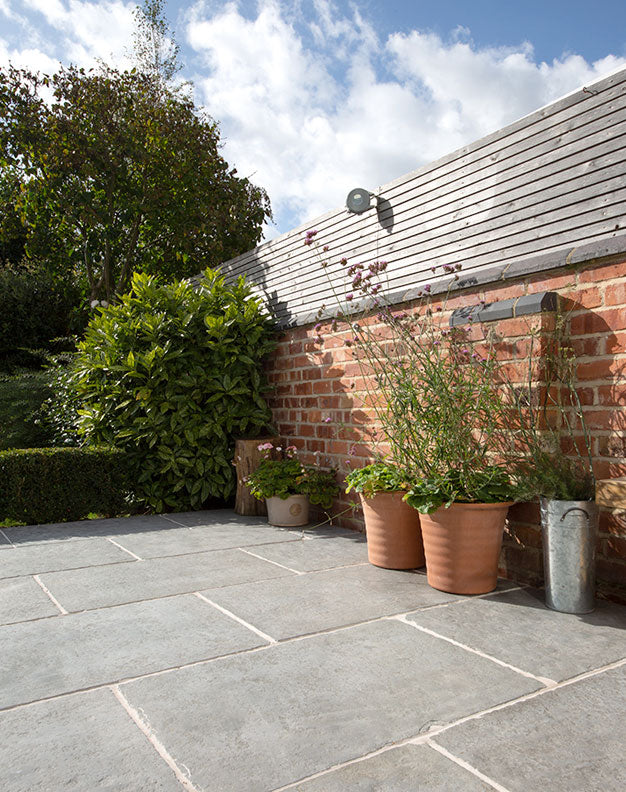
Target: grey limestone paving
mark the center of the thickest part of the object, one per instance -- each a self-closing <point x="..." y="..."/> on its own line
<point x="4" y="540"/>
<point x="215" y="517"/>
<point x="411" y="768"/>
<point x="82" y="743"/>
<point x="85" y="529"/>
<point x="22" y="599"/>
<point x="197" y="539"/>
<point x="310" y="556"/>
<point x="570" y="738"/>
<point x="516" y="627"/>
<point x="98" y="647"/>
<point x="323" y="600"/>
<point x="34" y="559"/>
<point x="99" y="587"/>
<point x="258" y="721"/>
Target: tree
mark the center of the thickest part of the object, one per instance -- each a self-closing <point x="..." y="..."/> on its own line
<point x="155" y="50"/>
<point x="118" y="173"/>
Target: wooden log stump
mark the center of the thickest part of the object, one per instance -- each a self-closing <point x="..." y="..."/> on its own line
<point x="247" y="459"/>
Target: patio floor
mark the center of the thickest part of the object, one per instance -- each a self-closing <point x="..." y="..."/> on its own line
<point x="205" y="651"/>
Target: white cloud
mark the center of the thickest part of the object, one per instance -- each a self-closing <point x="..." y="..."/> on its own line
<point x="310" y="122"/>
<point x="311" y="101"/>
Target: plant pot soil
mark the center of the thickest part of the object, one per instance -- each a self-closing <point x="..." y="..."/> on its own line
<point x="394" y="537"/>
<point x="462" y="545"/>
<point x="289" y="513"/>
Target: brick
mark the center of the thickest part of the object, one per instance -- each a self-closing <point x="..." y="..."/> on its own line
<point x="303" y="388"/>
<point x="594" y="274"/>
<point x="498" y="293"/>
<point x="525" y="535"/>
<point x="598" y="321"/>
<point x="613" y="523"/>
<point x="605" y="469"/>
<point x="602" y="369"/>
<point x="525" y="513"/>
<point x="539" y="283"/>
<point x="605" y="419"/>
<point x="612" y="394"/>
<point x="611" y="446"/>
<point x="615" y="343"/>
<point x="611" y="571"/>
<point x="576" y="299"/>
<point x="615" y="293"/>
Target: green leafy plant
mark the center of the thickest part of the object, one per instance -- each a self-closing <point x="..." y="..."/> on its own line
<point x="172" y="375"/>
<point x="280" y="478"/>
<point x="491" y="484"/>
<point x="377" y="477"/>
<point x="42" y="485"/>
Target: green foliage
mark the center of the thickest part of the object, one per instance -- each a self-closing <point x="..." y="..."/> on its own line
<point x="20" y="397"/>
<point x="490" y="484"/>
<point x="41" y="485"/>
<point x="118" y="173"/>
<point x="377" y="477"/>
<point x="154" y="47"/>
<point x="172" y="375"/>
<point x="34" y="308"/>
<point x="57" y="417"/>
<point x="280" y="478"/>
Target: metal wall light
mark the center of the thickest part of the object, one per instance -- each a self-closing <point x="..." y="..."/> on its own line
<point x="359" y="200"/>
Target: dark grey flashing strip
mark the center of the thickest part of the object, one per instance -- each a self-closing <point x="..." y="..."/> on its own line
<point x="541" y="302"/>
<point x="568" y="258"/>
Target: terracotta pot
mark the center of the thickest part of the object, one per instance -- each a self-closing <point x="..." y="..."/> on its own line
<point x="462" y="545"/>
<point x="394" y="538"/>
<point x="288" y="513"/>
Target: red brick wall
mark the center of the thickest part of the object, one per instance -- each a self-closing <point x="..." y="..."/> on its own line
<point x="318" y="404"/>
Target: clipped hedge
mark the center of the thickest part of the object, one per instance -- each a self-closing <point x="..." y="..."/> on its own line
<point x="42" y="485"/>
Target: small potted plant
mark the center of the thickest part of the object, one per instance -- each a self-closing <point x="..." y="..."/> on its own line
<point x="288" y="487"/>
<point x="394" y="537"/>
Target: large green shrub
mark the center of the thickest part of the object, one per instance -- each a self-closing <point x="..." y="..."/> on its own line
<point x="172" y="375"/>
<point x="20" y="397"/>
<point x="41" y="485"/>
<point x="34" y="308"/>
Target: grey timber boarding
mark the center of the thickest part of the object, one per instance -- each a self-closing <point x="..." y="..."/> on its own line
<point x="546" y="191"/>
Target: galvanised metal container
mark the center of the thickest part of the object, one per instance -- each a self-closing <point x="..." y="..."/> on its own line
<point x="570" y="531"/>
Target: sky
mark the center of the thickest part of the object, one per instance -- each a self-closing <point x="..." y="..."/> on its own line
<point x="315" y="97"/>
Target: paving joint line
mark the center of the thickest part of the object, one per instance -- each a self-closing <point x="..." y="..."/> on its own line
<point x="7" y="538"/>
<point x="427" y="737"/>
<point x="543" y="680"/>
<point x="144" y="726"/>
<point x="465" y="765"/>
<point x="125" y="549"/>
<point x="282" y="566"/>
<point x="65" y="569"/>
<point x="51" y="596"/>
<point x="236" y="618"/>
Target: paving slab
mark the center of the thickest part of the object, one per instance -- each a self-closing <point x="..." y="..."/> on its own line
<point x="309" y="556"/>
<point x="4" y="541"/>
<point x="411" y="768"/>
<point x="322" y="600"/>
<point x="85" y="529"/>
<point x="34" y="559"/>
<point x="79" y="743"/>
<point x="570" y="739"/>
<point x="179" y="541"/>
<point x="215" y="517"/>
<point x="516" y="627"/>
<point x="99" y="587"/>
<point x="22" y="599"/>
<point x="47" y="658"/>
<point x="254" y="722"/>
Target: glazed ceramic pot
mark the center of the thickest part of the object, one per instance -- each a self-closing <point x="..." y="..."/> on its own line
<point x="288" y="513"/>
<point x="394" y="538"/>
<point x="462" y="545"/>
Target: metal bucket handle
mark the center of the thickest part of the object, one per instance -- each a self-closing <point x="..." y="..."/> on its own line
<point x="575" y="508"/>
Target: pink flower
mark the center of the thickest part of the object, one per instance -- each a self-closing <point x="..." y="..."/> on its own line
<point x="328" y="419"/>
<point x="349" y="296"/>
<point x="265" y="447"/>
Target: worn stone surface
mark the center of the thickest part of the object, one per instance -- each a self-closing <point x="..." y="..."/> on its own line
<point x="308" y="556"/>
<point x="54" y="556"/>
<point x="98" y="587"/>
<point x="322" y="600"/>
<point x="516" y="627"/>
<point x="85" y="529"/>
<point x="21" y="599"/>
<point x="214" y="517"/>
<point x="255" y="722"/>
<point x="568" y="740"/>
<point x="4" y="541"/>
<point x="201" y="538"/>
<point x="411" y="768"/>
<point x="80" y="743"/>
<point x="42" y="659"/>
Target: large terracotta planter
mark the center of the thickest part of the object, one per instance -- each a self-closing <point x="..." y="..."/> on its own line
<point x="288" y="513"/>
<point x="462" y="545"/>
<point x="394" y="538"/>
